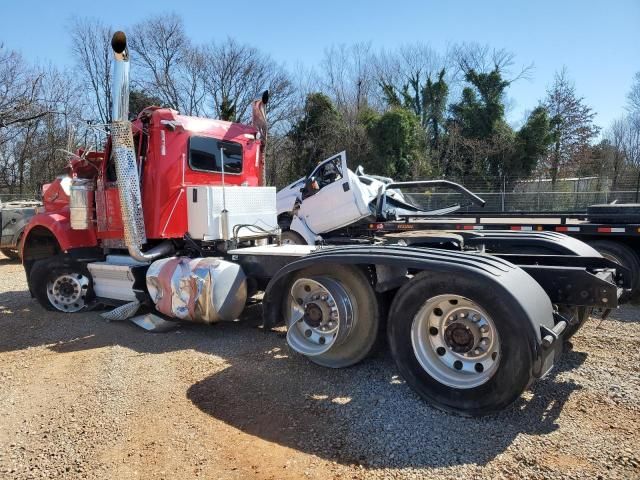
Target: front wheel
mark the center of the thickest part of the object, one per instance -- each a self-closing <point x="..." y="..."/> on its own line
<point x="460" y="344"/>
<point x="61" y="284"/>
<point x="289" y="237"/>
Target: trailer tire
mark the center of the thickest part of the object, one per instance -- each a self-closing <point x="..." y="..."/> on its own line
<point x="501" y="382"/>
<point x="362" y="339"/>
<point x="622" y="254"/>
<point x="289" y="237"/>
<point x="72" y="279"/>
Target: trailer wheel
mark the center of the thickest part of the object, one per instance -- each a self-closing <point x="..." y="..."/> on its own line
<point x="620" y="253"/>
<point x="61" y="284"/>
<point x="289" y="237"/>
<point x="460" y="344"/>
<point x="332" y="315"/>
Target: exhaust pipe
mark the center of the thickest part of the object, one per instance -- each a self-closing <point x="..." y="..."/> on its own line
<point x="125" y="159"/>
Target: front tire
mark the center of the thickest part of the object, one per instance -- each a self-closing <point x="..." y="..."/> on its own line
<point x="61" y="284"/>
<point x="289" y="237"/>
<point x="460" y="344"/>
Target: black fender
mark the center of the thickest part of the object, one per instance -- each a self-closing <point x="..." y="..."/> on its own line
<point x="514" y="283"/>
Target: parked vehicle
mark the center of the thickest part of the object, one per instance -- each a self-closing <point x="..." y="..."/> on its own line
<point x="171" y="222"/>
<point x="14" y="217"/>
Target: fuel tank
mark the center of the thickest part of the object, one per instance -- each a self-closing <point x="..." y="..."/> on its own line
<point x="202" y="290"/>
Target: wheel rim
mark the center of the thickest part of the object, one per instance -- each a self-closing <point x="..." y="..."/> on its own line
<point x="455" y="341"/>
<point x="68" y="292"/>
<point x="320" y="315"/>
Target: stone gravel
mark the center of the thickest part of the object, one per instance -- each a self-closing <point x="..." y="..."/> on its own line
<point x="83" y="398"/>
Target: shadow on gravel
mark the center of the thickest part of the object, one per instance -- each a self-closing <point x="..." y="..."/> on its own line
<point x="362" y="415"/>
<point x="366" y="415"/>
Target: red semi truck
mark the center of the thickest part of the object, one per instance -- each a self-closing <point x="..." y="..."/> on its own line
<point x="171" y="222"/>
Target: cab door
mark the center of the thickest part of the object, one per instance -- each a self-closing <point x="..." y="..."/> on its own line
<point x="328" y="202"/>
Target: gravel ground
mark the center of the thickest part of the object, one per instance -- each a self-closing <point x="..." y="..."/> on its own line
<point x="82" y="398"/>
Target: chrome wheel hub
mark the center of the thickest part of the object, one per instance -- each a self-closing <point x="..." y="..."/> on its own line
<point x="455" y="341"/>
<point x="320" y="316"/>
<point x="67" y="292"/>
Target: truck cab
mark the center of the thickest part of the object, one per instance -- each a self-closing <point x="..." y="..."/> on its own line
<point x="173" y="154"/>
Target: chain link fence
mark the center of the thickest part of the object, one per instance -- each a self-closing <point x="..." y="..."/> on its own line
<point x="522" y="201"/>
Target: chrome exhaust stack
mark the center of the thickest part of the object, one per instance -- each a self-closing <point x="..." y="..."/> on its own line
<point x="125" y="159"/>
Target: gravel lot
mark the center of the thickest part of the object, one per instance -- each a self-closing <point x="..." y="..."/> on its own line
<point x="82" y="398"/>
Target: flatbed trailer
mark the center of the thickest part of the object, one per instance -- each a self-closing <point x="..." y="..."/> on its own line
<point x="616" y="239"/>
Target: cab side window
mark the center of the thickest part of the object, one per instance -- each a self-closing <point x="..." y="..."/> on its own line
<point x="208" y="154"/>
<point x="329" y="173"/>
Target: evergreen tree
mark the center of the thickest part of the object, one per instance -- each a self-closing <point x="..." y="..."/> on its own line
<point x="398" y="145"/>
<point x="434" y="105"/>
<point x="317" y="135"/>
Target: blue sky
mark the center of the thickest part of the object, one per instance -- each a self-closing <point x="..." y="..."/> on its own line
<point x="598" y="41"/>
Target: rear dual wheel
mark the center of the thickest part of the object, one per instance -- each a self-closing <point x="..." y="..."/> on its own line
<point x="460" y="344"/>
<point x="332" y="315"/>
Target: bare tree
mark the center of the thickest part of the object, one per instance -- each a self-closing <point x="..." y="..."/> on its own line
<point x="572" y="125"/>
<point x="349" y="77"/>
<point x="633" y="97"/>
<point x="632" y="148"/>
<point x="91" y="48"/>
<point x="404" y="73"/>
<point x="617" y="135"/>
<point x="484" y="59"/>
<point x="30" y="149"/>
<point x="161" y="49"/>
<point x="237" y="74"/>
<point x="19" y="89"/>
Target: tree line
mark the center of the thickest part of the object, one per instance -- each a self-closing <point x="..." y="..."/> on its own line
<point x="407" y="113"/>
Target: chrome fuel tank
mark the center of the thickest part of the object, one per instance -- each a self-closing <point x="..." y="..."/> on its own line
<point x="202" y="290"/>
